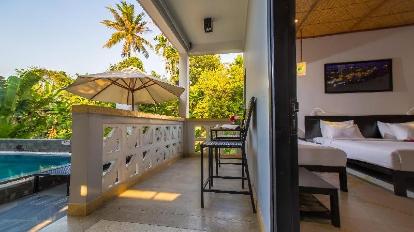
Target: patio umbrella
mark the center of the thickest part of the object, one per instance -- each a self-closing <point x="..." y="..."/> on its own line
<point x="129" y="86"/>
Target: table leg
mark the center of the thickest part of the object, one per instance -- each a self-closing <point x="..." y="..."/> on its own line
<point x="217" y="160"/>
<point x="243" y="166"/>
<point x="210" y="168"/>
<point x="334" y="202"/>
<point x="202" y="177"/>
<point x="343" y="182"/>
<point x="219" y="157"/>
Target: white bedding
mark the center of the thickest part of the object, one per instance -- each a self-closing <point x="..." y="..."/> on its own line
<point x="396" y="155"/>
<point x="315" y="154"/>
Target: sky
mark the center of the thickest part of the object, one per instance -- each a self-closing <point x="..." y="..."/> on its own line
<point x="64" y="35"/>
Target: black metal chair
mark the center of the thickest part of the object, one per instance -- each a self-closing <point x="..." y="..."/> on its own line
<point x="234" y="136"/>
<point x="214" y="145"/>
<point x="218" y="133"/>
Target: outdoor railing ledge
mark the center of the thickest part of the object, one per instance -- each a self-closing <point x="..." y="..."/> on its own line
<point x="118" y="112"/>
<point x="219" y="120"/>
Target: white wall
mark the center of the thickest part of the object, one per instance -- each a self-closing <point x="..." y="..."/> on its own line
<point x="397" y="44"/>
<point x="256" y="63"/>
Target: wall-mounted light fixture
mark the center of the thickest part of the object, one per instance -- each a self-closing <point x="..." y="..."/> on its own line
<point x="317" y="111"/>
<point x="208" y="25"/>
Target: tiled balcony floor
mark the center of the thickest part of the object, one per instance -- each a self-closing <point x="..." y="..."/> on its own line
<point x="171" y="198"/>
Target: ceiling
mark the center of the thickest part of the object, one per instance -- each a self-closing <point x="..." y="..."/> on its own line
<point x="182" y="20"/>
<point x="229" y="23"/>
<point x="328" y="17"/>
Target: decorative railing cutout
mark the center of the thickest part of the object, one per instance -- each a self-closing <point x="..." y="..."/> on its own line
<point x="130" y="150"/>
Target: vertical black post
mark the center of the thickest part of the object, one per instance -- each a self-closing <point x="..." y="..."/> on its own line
<point x="202" y="176"/>
<point x="283" y="118"/>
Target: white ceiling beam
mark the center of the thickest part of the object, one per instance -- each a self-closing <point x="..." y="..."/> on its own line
<point x="160" y="15"/>
<point x="217" y="48"/>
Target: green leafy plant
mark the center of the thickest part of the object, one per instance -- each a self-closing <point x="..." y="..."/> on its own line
<point x="34" y="105"/>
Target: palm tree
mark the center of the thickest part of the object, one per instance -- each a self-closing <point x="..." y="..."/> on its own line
<point x="129" y="28"/>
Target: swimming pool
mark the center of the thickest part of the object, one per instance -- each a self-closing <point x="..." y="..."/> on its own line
<point x="15" y="165"/>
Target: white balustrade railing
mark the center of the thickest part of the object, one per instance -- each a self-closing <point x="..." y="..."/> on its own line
<point x="132" y="149"/>
<point x="112" y="148"/>
<point x="197" y="131"/>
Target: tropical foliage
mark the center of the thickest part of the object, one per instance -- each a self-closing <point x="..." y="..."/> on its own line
<point x="128" y="62"/>
<point x="33" y="103"/>
<point x="216" y="89"/>
<point x="15" y="100"/>
<point x="129" y="29"/>
<point x="164" y="48"/>
<point x="218" y="93"/>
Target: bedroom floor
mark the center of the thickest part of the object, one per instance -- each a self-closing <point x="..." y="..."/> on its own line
<point x="370" y="205"/>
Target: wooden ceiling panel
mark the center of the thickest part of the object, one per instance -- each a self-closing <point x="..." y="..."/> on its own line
<point x="315" y="30"/>
<point x="395" y="7"/>
<point x="328" y="17"/>
<point x="304" y="5"/>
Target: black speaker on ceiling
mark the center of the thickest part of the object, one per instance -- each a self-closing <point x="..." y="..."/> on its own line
<point x="208" y="25"/>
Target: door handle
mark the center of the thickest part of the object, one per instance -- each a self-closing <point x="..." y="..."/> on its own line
<point x="294" y="109"/>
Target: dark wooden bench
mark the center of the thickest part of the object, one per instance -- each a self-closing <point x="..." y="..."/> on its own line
<point x="312" y="184"/>
<point x="58" y="172"/>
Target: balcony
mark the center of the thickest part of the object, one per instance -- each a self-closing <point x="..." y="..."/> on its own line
<point x="128" y="166"/>
<point x="116" y="188"/>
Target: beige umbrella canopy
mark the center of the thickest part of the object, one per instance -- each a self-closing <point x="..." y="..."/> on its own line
<point x="129" y="86"/>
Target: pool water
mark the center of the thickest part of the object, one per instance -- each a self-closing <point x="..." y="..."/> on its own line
<point x="17" y="165"/>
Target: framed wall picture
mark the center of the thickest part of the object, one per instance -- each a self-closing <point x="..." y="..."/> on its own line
<point x="359" y="76"/>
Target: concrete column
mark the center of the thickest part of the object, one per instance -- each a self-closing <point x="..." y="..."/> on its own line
<point x="184" y="81"/>
<point x="86" y="160"/>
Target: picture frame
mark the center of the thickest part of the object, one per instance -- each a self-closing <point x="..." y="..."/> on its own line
<point x="358" y="76"/>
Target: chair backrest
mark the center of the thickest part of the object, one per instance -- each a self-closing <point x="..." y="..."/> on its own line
<point x="243" y="118"/>
<point x="246" y="124"/>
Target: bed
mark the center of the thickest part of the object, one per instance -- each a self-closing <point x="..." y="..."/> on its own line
<point x="390" y="157"/>
<point x="318" y="158"/>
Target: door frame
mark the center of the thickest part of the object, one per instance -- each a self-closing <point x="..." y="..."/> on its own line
<point x="283" y="116"/>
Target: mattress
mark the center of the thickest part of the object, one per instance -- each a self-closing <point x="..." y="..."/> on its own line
<point x="315" y="154"/>
<point x="392" y="154"/>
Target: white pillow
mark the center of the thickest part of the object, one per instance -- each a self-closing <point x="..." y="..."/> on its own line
<point x="403" y="131"/>
<point x="385" y="130"/>
<point x="349" y="132"/>
<point x="326" y="124"/>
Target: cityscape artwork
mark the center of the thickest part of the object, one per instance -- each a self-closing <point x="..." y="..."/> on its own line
<point x="360" y="76"/>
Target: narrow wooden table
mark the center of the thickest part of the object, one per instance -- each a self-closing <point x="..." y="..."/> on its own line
<point x="234" y="136"/>
<point x="313" y="184"/>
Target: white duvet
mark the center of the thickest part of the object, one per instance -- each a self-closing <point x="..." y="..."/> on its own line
<point x="396" y="155"/>
<point x="315" y="154"/>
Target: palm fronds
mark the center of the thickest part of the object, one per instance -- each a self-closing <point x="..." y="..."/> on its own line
<point x="129" y="29"/>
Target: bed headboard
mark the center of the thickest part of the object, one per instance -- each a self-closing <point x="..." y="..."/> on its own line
<point x="367" y="123"/>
